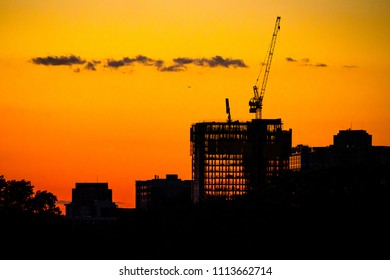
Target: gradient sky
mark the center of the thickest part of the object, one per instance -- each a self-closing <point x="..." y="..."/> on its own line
<point x="107" y="90"/>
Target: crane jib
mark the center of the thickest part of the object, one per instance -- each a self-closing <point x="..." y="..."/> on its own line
<point x="256" y="102"/>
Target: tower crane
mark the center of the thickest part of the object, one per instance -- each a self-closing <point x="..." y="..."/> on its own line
<point x="256" y="102"/>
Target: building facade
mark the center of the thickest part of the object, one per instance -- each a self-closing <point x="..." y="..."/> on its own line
<point x="352" y="147"/>
<point x="304" y="157"/>
<point x="349" y="147"/>
<point x="234" y="159"/>
<point x="162" y="193"/>
<point x="91" y="201"/>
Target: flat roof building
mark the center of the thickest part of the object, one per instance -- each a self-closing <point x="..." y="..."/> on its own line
<point x="350" y="147"/>
<point x="90" y="201"/>
<point x="158" y="193"/>
<point x="352" y="139"/>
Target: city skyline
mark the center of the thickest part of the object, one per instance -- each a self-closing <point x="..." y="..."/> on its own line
<point x="108" y="91"/>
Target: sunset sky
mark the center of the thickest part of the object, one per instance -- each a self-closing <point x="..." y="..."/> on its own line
<point x="107" y="90"/>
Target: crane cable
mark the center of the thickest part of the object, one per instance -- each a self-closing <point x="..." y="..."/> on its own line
<point x="262" y="65"/>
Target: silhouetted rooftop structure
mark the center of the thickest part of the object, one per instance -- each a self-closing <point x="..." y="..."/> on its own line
<point x="304" y="157"/>
<point x="352" y="139"/>
<point x="91" y="201"/>
<point x="157" y="193"/>
<point x="350" y="147"/>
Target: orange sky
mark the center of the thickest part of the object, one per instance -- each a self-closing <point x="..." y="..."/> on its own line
<point x="121" y="107"/>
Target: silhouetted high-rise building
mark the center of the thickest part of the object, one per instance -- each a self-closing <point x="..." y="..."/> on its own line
<point x="91" y="201"/>
<point x="157" y="193"/>
<point x="231" y="159"/>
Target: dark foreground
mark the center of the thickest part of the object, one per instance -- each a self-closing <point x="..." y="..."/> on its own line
<point x="302" y="219"/>
<point x="226" y="233"/>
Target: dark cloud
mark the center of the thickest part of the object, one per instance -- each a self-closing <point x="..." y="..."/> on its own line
<point x="145" y="60"/>
<point x="58" y="60"/>
<point x="123" y="62"/>
<point x="179" y="64"/>
<point x="115" y="63"/>
<point x="90" y="66"/>
<point x="219" y="61"/>
<point x="350" y="66"/>
<point x="289" y="59"/>
<point x="305" y="61"/>
<point x="216" y="61"/>
<point x="183" y="60"/>
<point x="173" y="68"/>
<point x="138" y="59"/>
<point x="159" y="63"/>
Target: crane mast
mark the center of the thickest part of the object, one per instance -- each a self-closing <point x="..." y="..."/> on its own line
<point x="256" y="102"/>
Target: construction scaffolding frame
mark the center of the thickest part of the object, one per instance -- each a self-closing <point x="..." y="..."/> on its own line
<point x="233" y="159"/>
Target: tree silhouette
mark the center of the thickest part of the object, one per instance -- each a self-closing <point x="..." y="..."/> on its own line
<point x="18" y="198"/>
<point x="44" y="203"/>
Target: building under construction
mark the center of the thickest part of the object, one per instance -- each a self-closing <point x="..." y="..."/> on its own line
<point x="235" y="159"/>
<point x="231" y="159"/>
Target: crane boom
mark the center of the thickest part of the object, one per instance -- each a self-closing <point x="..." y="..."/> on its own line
<point x="256" y="102"/>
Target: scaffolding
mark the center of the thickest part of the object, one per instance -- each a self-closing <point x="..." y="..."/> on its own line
<point x="233" y="159"/>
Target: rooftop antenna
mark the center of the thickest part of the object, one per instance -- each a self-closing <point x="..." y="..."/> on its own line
<point x="228" y="110"/>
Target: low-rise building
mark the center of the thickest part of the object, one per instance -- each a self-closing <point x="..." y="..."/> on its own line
<point x="158" y="193"/>
<point x="91" y="201"/>
<point x="349" y="148"/>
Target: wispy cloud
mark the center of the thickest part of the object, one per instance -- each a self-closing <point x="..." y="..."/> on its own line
<point x="173" y="68"/>
<point x="183" y="60"/>
<point x="178" y="64"/>
<point x="290" y="59"/>
<point x="91" y="65"/>
<point x="58" y="60"/>
<point x="141" y="59"/>
<point x="350" y="66"/>
<point x="305" y="62"/>
<point x="219" y="61"/>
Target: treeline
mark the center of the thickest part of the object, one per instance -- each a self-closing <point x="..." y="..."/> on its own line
<point x="18" y="199"/>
